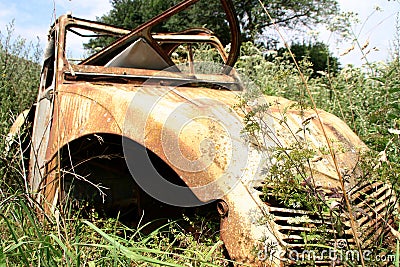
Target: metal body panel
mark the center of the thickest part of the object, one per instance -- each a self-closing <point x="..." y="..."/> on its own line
<point x="89" y="108"/>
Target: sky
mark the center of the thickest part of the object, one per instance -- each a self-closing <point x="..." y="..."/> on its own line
<point x="31" y="19"/>
<point x="379" y="21"/>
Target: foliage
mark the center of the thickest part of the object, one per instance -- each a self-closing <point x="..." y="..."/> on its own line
<point x="366" y="101"/>
<point x="19" y="79"/>
<point x="27" y="239"/>
<point x="318" y="54"/>
<point x="19" y="66"/>
<point x="294" y="15"/>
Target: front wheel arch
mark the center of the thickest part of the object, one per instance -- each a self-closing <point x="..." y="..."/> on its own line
<point x="94" y="174"/>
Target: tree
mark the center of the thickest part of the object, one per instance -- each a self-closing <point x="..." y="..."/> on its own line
<point x="317" y="53"/>
<point x="289" y="14"/>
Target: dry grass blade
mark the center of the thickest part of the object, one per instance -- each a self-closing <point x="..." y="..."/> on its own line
<point x="331" y="151"/>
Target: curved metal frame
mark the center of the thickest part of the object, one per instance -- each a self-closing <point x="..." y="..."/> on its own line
<point x="144" y="30"/>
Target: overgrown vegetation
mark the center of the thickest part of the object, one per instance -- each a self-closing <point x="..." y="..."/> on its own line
<point x="19" y="72"/>
<point x="367" y="99"/>
<point x="317" y="54"/>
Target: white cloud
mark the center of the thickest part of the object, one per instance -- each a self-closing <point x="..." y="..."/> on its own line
<point x="376" y="26"/>
<point x="88" y="9"/>
<point x="7" y="12"/>
<point x="33" y="19"/>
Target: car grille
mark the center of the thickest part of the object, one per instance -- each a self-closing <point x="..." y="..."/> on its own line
<point x="373" y="206"/>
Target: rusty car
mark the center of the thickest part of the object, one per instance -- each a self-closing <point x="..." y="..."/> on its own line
<point x="130" y="123"/>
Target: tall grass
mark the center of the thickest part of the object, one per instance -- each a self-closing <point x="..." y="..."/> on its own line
<point x="19" y="78"/>
<point x="367" y="102"/>
<point x="366" y="99"/>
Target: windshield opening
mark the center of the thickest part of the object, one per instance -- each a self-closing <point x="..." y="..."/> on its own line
<point x="178" y="42"/>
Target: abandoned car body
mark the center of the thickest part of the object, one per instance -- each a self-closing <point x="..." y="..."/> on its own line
<point x="129" y="109"/>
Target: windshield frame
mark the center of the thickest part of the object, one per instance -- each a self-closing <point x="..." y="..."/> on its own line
<point x="144" y="31"/>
